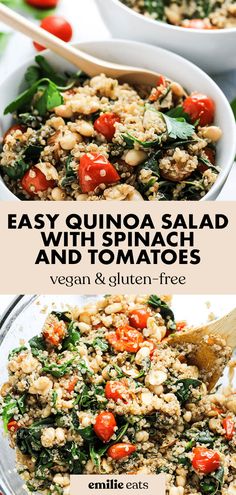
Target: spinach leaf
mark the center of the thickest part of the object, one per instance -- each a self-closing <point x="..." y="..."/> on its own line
<point x="100" y="343"/>
<point x="208" y="163"/>
<point x="178" y="112"/>
<point x="184" y="387"/>
<point x="58" y="370"/>
<point x="86" y="433"/>
<point x="212" y="484"/>
<point x="178" y="128"/>
<point x="17" y="170"/>
<point x="152" y="164"/>
<point x="70" y="173"/>
<point x="49" y="98"/>
<point x="32" y="75"/>
<point x="83" y="368"/>
<point x="29" y="119"/>
<point x="28" y="440"/>
<point x="72" y="338"/>
<point x="37" y="344"/>
<point x="91" y="398"/>
<point x="74" y="457"/>
<point x="46" y="70"/>
<point x="32" y="153"/>
<point x="16" y="351"/>
<point x="165" y="311"/>
<point x="130" y="140"/>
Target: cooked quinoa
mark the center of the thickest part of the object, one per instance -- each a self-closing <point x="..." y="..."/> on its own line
<point x="104" y="140"/>
<point x="198" y="14"/>
<point x="102" y="390"/>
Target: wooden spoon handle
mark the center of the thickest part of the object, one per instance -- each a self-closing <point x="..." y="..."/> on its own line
<point x="87" y="63"/>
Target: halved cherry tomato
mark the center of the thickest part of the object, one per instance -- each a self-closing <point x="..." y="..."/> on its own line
<point x="95" y="169"/>
<point x="205" y="460"/>
<point x="229" y="427"/>
<point x="43" y="4"/>
<point x="56" y="25"/>
<point x="105" y="124"/>
<point x="71" y="385"/>
<point x="13" y="425"/>
<point x="34" y="181"/>
<point x="12" y="129"/>
<point x="54" y="333"/>
<point x="125" y="338"/>
<point x="120" y="450"/>
<point x="195" y="24"/>
<point x="138" y="318"/>
<point x="155" y="93"/>
<point x="116" y="390"/>
<point x="105" y="425"/>
<point x="200" y="107"/>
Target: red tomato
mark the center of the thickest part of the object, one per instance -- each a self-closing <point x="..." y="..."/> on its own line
<point x="116" y="390"/>
<point x="95" y="169"/>
<point x="229" y="427"/>
<point x="71" y="385"/>
<point x="105" y="125"/>
<point x="155" y="93"/>
<point x="125" y="338"/>
<point x="180" y="325"/>
<point x="200" y="107"/>
<point x="43" y="4"/>
<point x="205" y="460"/>
<point x="13" y="425"/>
<point x="196" y="24"/>
<point x="120" y="450"/>
<point x="104" y="426"/>
<point x="12" y="129"/>
<point x="56" y="25"/>
<point x="37" y="183"/>
<point x="138" y="318"/>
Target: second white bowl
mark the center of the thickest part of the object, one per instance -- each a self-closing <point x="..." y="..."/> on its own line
<point x="213" y="50"/>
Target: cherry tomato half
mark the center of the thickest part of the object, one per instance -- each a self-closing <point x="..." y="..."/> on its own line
<point x="205" y="460"/>
<point x="120" y="450"/>
<point x="229" y="427"/>
<point x="200" y="107"/>
<point x="105" y="125"/>
<point x="156" y="92"/>
<point x="95" y="169"/>
<point x="56" y="25"/>
<point x="13" y="425"/>
<point x="196" y="24"/>
<point x="34" y="181"/>
<point x="125" y="338"/>
<point x="138" y="318"/>
<point x="12" y="129"/>
<point x="116" y="390"/>
<point x="104" y="426"/>
<point x="43" y="4"/>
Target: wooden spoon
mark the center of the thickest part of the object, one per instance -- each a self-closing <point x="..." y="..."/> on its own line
<point x="87" y="63"/>
<point x="209" y="347"/>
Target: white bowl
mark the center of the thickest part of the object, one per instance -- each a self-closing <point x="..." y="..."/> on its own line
<point x="213" y="50"/>
<point x="139" y="54"/>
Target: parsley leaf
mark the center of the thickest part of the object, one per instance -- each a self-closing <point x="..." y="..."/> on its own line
<point x="178" y="128"/>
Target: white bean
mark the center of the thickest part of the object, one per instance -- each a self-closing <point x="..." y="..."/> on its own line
<point x="58" y="194"/>
<point x="135" y="157"/>
<point x="68" y="141"/>
<point x="213" y="133"/>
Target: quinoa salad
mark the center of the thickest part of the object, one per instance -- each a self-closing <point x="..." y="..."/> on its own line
<point x="102" y="390"/>
<point x="197" y="14"/>
<point x="76" y="138"/>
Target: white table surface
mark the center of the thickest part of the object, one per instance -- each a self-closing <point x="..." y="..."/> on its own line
<point x="89" y="26"/>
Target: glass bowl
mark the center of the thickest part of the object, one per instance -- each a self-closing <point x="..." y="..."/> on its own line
<point x="24" y="319"/>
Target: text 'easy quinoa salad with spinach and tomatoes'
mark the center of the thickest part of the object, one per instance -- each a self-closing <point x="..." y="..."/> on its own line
<point x="77" y="138"/>
<point x="103" y="391"/>
<point x="195" y="14"/>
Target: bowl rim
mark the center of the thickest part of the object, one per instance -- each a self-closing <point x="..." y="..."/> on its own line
<point x="203" y="32"/>
<point x="217" y="186"/>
